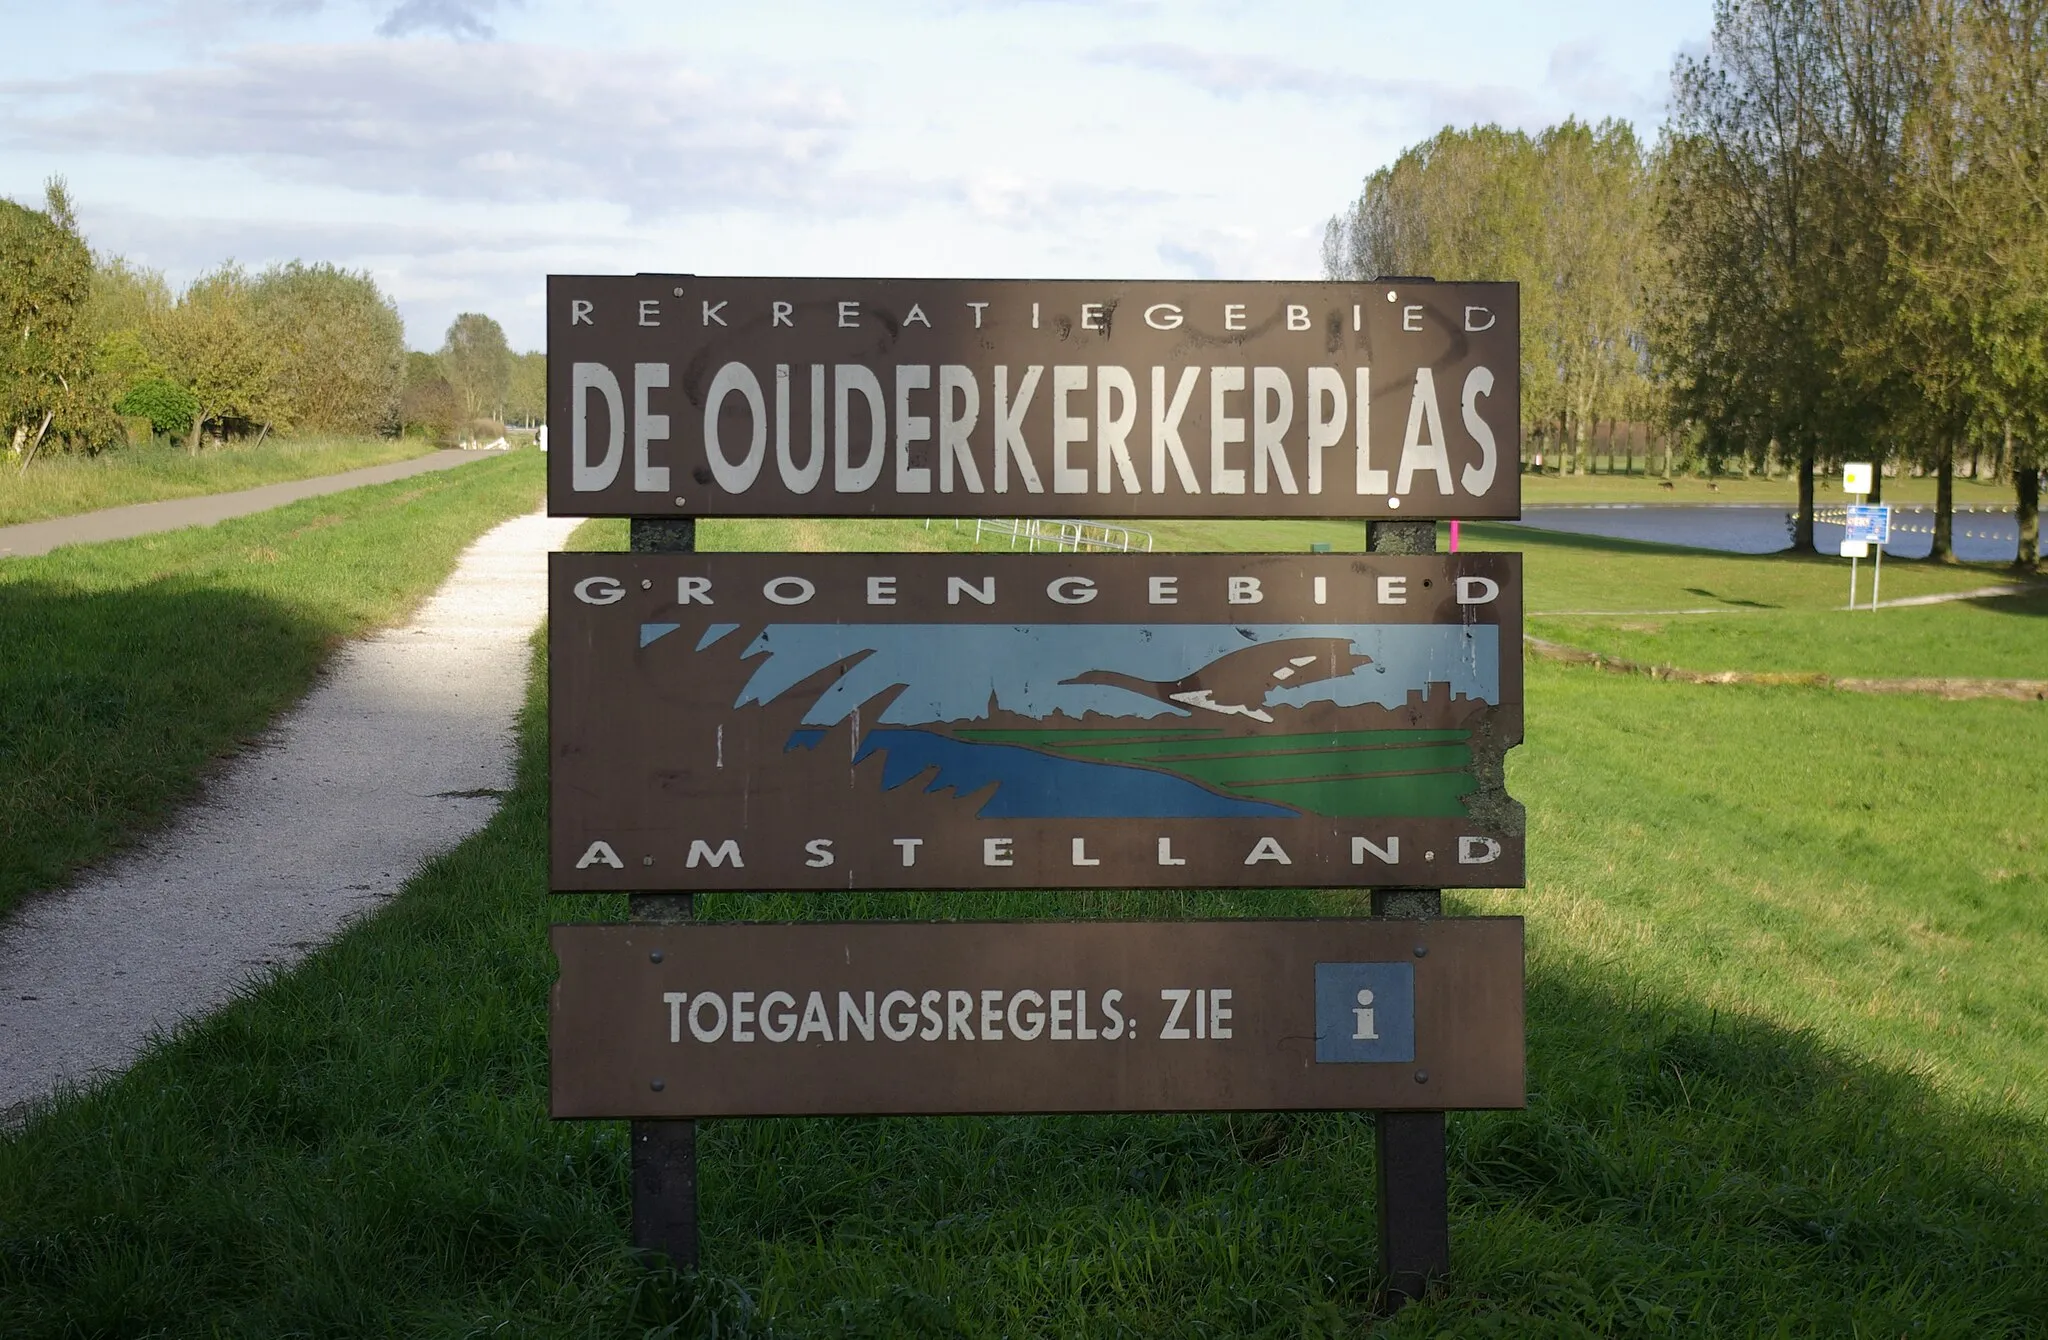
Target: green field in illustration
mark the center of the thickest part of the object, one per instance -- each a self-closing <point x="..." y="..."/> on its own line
<point x="1406" y="774"/>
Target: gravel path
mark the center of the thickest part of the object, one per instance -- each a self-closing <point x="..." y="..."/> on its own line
<point x="394" y="758"/>
<point x="122" y="523"/>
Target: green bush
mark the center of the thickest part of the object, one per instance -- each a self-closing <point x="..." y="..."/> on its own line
<point x="168" y="406"/>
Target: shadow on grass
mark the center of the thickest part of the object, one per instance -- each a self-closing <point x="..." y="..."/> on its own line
<point x="1727" y="600"/>
<point x="1676" y="1170"/>
<point x="362" y="1148"/>
<point x="2033" y="604"/>
<point x="1531" y="537"/>
<point x="114" y="701"/>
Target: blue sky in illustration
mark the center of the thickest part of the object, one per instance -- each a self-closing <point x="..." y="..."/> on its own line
<point x="951" y="669"/>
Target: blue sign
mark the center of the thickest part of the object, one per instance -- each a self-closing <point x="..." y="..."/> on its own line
<point x="1870" y="524"/>
<point x="1365" y="1012"/>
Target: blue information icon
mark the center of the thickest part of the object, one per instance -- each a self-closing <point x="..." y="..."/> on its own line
<point x="1365" y="1012"/>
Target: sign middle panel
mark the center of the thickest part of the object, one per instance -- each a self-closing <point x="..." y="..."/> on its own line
<point x="916" y="721"/>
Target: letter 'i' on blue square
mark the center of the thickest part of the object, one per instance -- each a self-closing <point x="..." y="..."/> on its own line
<point x="1365" y="1012"/>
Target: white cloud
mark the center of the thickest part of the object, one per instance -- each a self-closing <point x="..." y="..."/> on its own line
<point x="1581" y="71"/>
<point x="456" y="18"/>
<point x="1009" y="200"/>
<point x="1227" y="74"/>
<point x="1244" y="253"/>
<point x="218" y="19"/>
<point x="184" y="245"/>
<point x="454" y="120"/>
<point x="1234" y="76"/>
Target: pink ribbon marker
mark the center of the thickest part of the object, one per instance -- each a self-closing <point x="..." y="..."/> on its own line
<point x="1454" y="537"/>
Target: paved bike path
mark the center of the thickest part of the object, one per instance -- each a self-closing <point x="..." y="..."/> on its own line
<point x="400" y="752"/>
<point x="122" y="523"/>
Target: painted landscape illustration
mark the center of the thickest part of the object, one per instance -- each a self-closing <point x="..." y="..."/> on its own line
<point x="1104" y="721"/>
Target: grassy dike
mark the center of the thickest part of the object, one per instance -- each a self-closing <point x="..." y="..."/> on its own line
<point x="67" y="485"/>
<point x="126" y="668"/>
<point x="1788" y="1074"/>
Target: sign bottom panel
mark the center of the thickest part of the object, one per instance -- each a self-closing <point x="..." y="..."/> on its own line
<point x="874" y="1018"/>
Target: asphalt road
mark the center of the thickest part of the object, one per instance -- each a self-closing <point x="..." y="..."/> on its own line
<point x="121" y="523"/>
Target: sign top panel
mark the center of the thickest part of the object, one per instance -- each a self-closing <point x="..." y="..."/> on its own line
<point x="682" y="395"/>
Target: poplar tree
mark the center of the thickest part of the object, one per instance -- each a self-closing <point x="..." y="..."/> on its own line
<point x="45" y="359"/>
<point x="1746" y="212"/>
<point x="1565" y="215"/>
<point x="1973" y="240"/>
<point x="527" y="398"/>
<point x="338" y="345"/>
<point x="213" y="344"/>
<point x="478" y="364"/>
<point x="126" y="304"/>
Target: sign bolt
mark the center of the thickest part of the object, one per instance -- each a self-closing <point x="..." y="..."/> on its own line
<point x="1421" y="1077"/>
<point x="654" y="956"/>
<point x="1422" y="951"/>
<point x="659" y="1084"/>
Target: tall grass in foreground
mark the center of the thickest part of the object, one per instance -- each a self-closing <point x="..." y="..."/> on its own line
<point x="1786" y="1077"/>
<point x="66" y="485"/>
<point x="126" y="668"/>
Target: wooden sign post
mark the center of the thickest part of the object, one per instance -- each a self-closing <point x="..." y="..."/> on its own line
<point x="887" y="721"/>
<point x="1411" y="1169"/>
<point x="663" y="1157"/>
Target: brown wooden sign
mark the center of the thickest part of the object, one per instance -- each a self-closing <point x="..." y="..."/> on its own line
<point x="820" y="1019"/>
<point x="917" y="721"/>
<point x="701" y="396"/>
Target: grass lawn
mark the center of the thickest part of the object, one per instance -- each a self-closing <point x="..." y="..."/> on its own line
<point x="66" y="485"/>
<point x="1777" y="612"/>
<point x="2004" y="638"/>
<point x="1788" y="1074"/>
<point x="1706" y="610"/>
<point x="127" y="667"/>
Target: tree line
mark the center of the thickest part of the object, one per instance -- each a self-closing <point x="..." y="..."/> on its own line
<point x="1836" y="249"/>
<point x="99" y="353"/>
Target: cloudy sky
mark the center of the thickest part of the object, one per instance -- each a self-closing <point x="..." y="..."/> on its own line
<point x="461" y="150"/>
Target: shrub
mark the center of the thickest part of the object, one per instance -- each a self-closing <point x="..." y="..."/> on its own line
<point x="168" y="406"/>
<point x="430" y="409"/>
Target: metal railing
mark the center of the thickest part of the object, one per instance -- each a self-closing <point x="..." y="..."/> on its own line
<point x="1062" y="536"/>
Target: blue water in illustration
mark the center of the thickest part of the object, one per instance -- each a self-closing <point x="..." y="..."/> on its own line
<point x="1035" y="785"/>
<point x="951" y="671"/>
